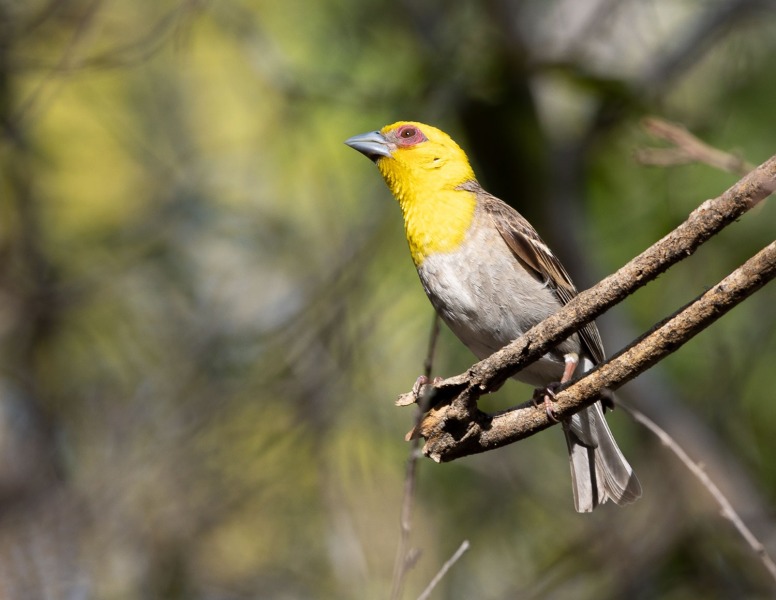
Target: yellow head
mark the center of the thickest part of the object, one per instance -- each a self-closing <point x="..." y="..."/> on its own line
<point x="424" y="169"/>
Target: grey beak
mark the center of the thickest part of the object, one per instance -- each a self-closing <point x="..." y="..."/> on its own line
<point x="373" y="145"/>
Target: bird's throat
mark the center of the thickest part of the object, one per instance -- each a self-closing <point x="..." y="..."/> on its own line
<point x="436" y="222"/>
<point x="437" y="212"/>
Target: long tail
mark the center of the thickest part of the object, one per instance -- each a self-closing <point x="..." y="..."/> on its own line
<point x="599" y="471"/>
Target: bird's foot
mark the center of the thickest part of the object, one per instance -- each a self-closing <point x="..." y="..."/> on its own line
<point x="415" y="395"/>
<point x="418" y="386"/>
<point x="420" y="382"/>
<point x="546" y="396"/>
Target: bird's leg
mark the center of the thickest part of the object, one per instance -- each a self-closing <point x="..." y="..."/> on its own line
<point x="547" y="395"/>
<point x="572" y="360"/>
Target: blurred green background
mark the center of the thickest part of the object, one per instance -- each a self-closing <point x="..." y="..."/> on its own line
<point x="207" y="307"/>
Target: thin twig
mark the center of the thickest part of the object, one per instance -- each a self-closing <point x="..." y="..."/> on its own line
<point x="727" y="509"/>
<point x="406" y="556"/>
<point x="428" y="364"/>
<point x="686" y="149"/>
<point x="443" y="571"/>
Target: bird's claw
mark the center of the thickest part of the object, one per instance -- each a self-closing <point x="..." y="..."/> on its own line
<point x="421" y="381"/>
<point x="418" y="392"/>
<point x="418" y="385"/>
<point x="546" y="396"/>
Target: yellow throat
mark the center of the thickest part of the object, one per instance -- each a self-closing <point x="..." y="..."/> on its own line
<point x="425" y="178"/>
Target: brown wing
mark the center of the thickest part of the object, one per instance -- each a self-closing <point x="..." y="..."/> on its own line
<point x="536" y="256"/>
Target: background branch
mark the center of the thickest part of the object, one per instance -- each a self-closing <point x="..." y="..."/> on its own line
<point x="443" y="571"/>
<point x="406" y="556"/>
<point x="686" y="149"/>
<point x="700" y="473"/>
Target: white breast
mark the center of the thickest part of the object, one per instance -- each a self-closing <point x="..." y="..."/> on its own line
<point x="487" y="299"/>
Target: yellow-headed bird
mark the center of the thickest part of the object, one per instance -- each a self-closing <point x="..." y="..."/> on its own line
<point x="491" y="277"/>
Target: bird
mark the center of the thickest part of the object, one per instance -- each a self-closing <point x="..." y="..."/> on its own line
<point x="491" y="277"/>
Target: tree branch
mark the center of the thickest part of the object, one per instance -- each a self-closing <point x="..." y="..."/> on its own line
<point x="406" y="556"/>
<point x="455" y="427"/>
<point x="443" y="571"/>
<point x="443" y="428"/>
<point x="727" y="510"/>
<point x="686" y="149"/>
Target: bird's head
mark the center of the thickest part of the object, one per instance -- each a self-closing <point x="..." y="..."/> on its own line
<point x="415" y="159"/>
<point x="424" y="169"/>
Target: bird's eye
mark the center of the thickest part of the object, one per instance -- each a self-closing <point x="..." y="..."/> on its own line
<point x="408" y="135"/>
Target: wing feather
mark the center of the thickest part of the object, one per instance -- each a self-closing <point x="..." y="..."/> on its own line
<point x="529" y="248"/>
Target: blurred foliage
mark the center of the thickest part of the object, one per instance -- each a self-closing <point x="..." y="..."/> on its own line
<point x="207" y="306"/>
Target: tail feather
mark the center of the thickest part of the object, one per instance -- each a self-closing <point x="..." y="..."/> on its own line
<point x="599" y="471"/>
